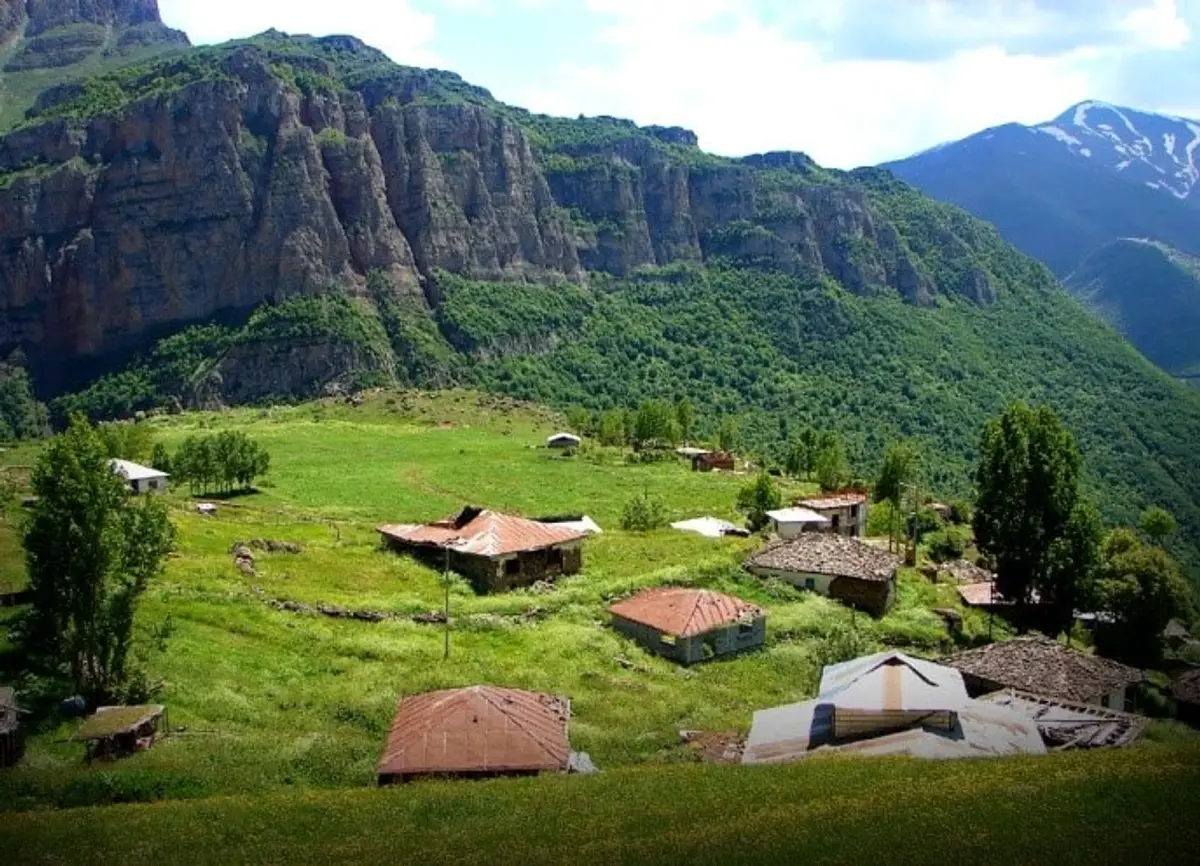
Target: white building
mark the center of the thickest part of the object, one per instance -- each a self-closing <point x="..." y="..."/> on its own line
<point x="563" y="440"/>
<point x="790" y="522"/>
<point x="141" y="479"/>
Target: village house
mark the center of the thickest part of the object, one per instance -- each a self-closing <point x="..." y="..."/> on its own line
<point x="690" y="625"/>
<point x="496" y="552"/>
<point x="1045" y="667"/>
<point x="846" y="512"/>
<point x="1185" y="692"/>
<point x="889" y="703"/>
<point x="140" y="479"/>
<point x="846" y="569"/>
<point x="12" y="740"/>
<point x="790" y="522"/>
<point x="114" y="732"/>
<point x="563" y="441"/>
<point x="708" y="461"/>
<point x="476" y="732"/>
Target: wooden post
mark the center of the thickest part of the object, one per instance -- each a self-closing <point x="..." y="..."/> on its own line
<point x="446" y="609"/>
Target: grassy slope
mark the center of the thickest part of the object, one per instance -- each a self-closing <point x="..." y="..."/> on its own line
<point x="276" y="700"/>
<point x="1079" y="808"/>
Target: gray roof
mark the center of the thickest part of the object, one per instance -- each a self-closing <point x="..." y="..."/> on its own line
<point x="827" y="553"/>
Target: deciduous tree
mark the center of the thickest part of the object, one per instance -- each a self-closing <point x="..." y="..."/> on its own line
<point x="757" y="498"/>
<point x="900" y="464"/>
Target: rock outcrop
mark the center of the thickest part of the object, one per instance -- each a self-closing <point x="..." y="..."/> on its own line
<point x="245" y="183"/>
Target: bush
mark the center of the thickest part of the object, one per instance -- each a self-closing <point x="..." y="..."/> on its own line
<point x="946" y="545"/>
<point x="643" y="513"/>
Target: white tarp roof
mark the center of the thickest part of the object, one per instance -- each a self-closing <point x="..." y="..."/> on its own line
<point x="689" y="451"/>
<point x="563" y="437"/>
<point x="134" y="471"/>
<point x="583" y="524"/>
<point x="796" y="515"/>
<point x="711" y="527"/>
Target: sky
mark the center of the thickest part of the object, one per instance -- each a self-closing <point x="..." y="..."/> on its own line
<point x="849" y="82"/>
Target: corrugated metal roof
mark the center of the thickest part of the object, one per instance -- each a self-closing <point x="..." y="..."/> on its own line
<point x="480" y="729"/>
<point x="684" y="612"/>
<point x="1045" y="667"/>
<point x="893" y="680"/>
<point x="134" y="471"/>
<point x="796" y="515"/>
<point x="489" y="533"/>
<point x="1069" y="724"/>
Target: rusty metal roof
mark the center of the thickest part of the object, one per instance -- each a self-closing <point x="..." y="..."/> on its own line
<point x="479" y="729"/>
<point x="684" y="612"/>
<point x="488" y="533"/>
<point x="826" y="503"/>
<point x="1045" y="667"/>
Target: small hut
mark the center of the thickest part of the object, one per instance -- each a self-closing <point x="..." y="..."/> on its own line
<point x="709" y="461"/>
<point x="690" y="625"/>
<point x="113" y="732"/>
<point x="12" y="740"/>
<point x="563" y="442"/>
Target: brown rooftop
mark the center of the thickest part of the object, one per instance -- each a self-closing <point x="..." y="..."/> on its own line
<point x="828" y="553"/>
<point x="684" y="612"/>
<point x="1185" y="688"/>
<point x="483" y="533"/>
<point x="835" y="500"/>
<point x="965" y="571"/>
<point x="1045" y="667"/>
<point x="480" y="729"/>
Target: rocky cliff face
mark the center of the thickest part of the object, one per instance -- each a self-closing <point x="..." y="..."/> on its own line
<point x="47" y="14"/>
<point x="263" y="176"/>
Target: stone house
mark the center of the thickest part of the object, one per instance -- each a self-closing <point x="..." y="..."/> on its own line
<point x="845" y="511"/>
<point x="1185" y="692"/>
<point x="844" y="568"/>
<point x="495" y="552"/>
<point x="1040" y="666"/>
<point x="140" y="479"/>
<point x="690" y="625"/>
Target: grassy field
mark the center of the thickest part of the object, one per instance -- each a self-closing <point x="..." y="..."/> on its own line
<point x="263" y="700"/>
<point x="1075" y="808"/>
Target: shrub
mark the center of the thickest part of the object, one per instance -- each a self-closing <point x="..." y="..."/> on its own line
<point x="946" y="545"/>
<point x="643" y="513"/>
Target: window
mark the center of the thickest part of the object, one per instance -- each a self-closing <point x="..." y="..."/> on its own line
<point x="512" y="566"/>
<point x="810" y="583"/>
<point x="554" y="559"/>
<point x="666" y="639"/>
<point x="745" y="628"/>
<point x="154" y="484"/>
<point x="836" y="524"/>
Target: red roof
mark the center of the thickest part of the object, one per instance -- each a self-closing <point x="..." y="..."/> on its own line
<point x="684" y="612"/>
<point x="478" y="729"/>
<point x="486" y="533"/>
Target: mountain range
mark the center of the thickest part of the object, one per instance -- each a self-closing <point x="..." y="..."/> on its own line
<point x="287" y="216"/>
<point x="1067" y="191"/>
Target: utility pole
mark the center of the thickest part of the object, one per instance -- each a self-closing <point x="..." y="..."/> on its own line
<point x="446" y="608"/>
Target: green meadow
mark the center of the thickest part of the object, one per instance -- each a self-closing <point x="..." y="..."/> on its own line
<point x="264" y="701"/>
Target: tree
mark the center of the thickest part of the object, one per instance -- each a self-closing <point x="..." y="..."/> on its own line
<point x="127" y="440"/>
<point x="160" y="458"/>
<point x="829" y="462"/>
<point x="1074" y="560"/>
<point x="757" y="498"/>
<point x="685" y="417"/>
<point x="1141" y="588"/>
<point x="655" y="424"/>
<point x="21" y="416"/>
<point x="1158" y="524"/>
<point x="90" y="554"/>
<point x="612" y="428"/>
<point x="728" y="435"/>
<point x="1028" y="483"/>
<point x="228" y="460"/>
<point x="578" y="420"/>
<point x="900" y="462"/>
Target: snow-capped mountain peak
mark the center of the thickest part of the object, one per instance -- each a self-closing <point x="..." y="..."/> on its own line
<point x="1158" y="150"/>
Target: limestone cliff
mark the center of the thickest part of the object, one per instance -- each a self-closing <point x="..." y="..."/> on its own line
<point x="227" y="178"/>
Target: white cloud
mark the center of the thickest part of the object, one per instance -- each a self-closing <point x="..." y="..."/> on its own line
<point x="402" y="32"/>
<point x="750" y="87"/>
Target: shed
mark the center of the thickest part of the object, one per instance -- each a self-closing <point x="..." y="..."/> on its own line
<point x="689" y="452"/>
<point x="140" y="479"/>
<point x="690" y="625"/>
<point x="1185" y="691"/>
<point x="846" y="569"/>
<point x="1045" y="667"/>
<point x="495" y="551"/>
<point x="476" y="732"/>
<point x="889" y="703"/>
<point x="12" y="738"/>
<point x="563" y="441"/>
<point x="112" y="732"/>
<point x="846" y="511"/>
<point x="1069" y="724"/>
<point x="790" y="522"/>
<point x="710" y="460"/>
